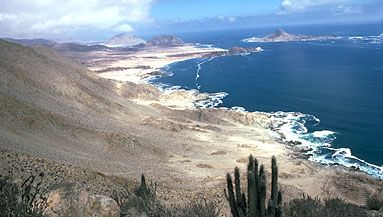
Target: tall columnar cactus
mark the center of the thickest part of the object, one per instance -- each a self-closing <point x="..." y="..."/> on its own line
<point x="262" y="195"/>
<point x="230" y="195"/>
<point x="273" y="203"/>
<point x="239" y="199"/>
<point x="254" y="205"/>
<point x="251" y="190"/>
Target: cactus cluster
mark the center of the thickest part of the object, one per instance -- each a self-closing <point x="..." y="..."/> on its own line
<point x="254" y="205"/>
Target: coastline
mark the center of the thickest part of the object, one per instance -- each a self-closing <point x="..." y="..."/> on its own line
<point x="214" y="146"/>
<point x="140" y="67"/>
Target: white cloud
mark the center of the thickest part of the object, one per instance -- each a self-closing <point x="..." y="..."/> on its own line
<point x="34" y="18"/>
<point x="331" y="7"/>
<point x="124" y="28"/>
<point x="225" y="19"/>
<point x="232" y="19"/>
<point x="298" y="5"/>
<point x="221" y="18"/>
<point x="347" y="10"/>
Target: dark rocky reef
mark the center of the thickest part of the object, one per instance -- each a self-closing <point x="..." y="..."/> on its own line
<point x="235" y="51"/>
<point x="243" y="50"/>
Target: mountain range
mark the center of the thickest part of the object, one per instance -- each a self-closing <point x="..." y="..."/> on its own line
<point x="118" y="42"/>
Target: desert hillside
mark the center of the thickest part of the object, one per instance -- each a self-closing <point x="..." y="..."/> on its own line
<point x="54" y="108"/>
<point x="54" y="111"/>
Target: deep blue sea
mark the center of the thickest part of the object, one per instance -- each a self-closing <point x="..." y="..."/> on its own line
<point x="329" y="93"/>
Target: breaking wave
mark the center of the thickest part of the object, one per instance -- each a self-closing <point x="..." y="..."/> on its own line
<point x="294" y="127"/>
<point x="211" y="101"/>
<point x="199" y="65"/>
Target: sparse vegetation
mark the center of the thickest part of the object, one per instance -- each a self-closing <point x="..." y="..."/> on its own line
<point x="314" y="207"/>
<point x="22" y="201"/>
<point x="374" y="203"/>
<point x="144" y="200"/>
<point x="254" y="203"/>
<point x="25" y="199"/>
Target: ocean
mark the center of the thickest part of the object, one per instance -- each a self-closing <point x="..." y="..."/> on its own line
<point x="328" y="93"/>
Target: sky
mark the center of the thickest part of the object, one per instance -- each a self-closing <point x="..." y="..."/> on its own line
<point x="87" y="20"/>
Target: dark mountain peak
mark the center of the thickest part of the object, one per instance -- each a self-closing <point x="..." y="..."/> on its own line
<point x="280" y="32"/>
<point x="164" y="41"/>
<point x="280" y="35"/>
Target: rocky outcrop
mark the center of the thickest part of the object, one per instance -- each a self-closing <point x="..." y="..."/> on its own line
<point x="234" y="51"/>
<point x="280" y="35"/>
<point x="243" y="50"/>
<point x="72" y="200"/>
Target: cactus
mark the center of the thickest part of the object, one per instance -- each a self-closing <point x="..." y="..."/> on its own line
<point x="254" y="205"/>
<point x="262" y="195"/>
<point x="273" y="202"/>
<point x="239" y="196"/>
<point x="251" y="187"/>
<point x="143" y="182"/>
<point x="230" y="196"/>
<point x="274" y="181"/>
<point x="279" y="211"/>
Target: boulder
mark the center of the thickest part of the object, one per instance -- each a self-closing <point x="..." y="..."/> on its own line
<point x="103" y="206"/>
<point x="72" y="200"/>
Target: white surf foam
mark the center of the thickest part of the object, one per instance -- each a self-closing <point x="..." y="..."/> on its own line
<point x="238" y="108"/>
<point x="199" y="67"/>
<point x="322" y="133"/>
<point x="210" y="100"/>
<point x="213" y="100"/>
<point x="293" y="126"/>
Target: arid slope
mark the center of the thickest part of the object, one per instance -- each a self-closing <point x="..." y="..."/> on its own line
<point x="53" y="108"/>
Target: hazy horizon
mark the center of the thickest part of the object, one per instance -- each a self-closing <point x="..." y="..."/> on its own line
<point x="98" y="20"/>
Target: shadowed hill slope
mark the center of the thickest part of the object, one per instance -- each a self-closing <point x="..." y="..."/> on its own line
<point x="54" y="108"/>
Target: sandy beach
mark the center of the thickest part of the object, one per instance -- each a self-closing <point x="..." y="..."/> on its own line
<point x="140" y="65"/>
